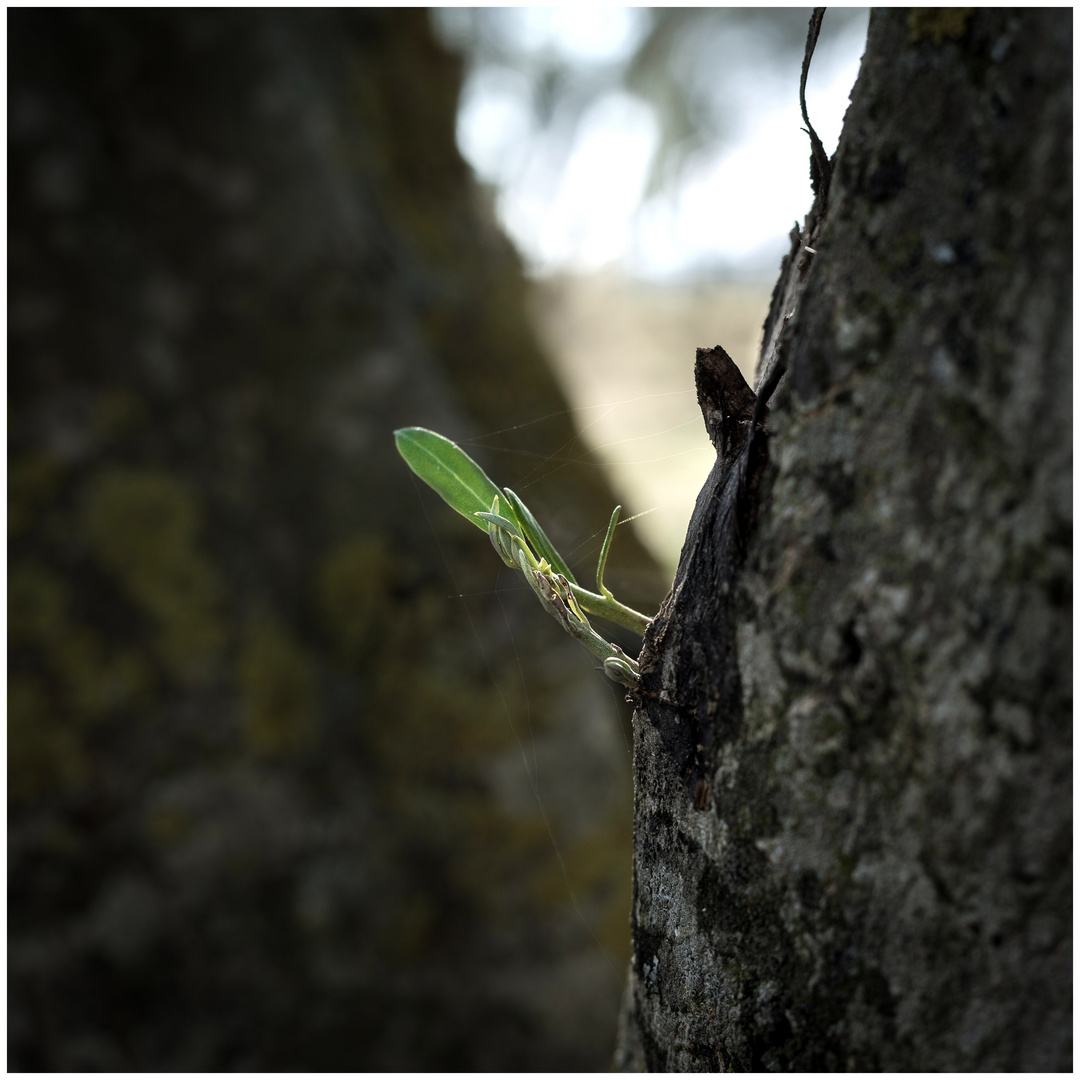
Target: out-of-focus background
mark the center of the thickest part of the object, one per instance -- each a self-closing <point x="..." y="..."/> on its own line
<point x="648" y="165"/>
<point x="299" y="776"/>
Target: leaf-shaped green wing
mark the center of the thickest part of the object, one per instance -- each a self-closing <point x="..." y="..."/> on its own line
<point x="446" y="468"/>
<point x="537" y="537"/>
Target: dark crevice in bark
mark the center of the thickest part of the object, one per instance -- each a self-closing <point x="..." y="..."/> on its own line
<point x="710" y="563"/>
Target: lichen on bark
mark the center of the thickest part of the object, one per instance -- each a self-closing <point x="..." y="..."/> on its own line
<point x="853" y="745"/>
<point x="267" y="719"/>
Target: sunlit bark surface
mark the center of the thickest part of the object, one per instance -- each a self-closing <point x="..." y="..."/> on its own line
<point x="853" y="748"/>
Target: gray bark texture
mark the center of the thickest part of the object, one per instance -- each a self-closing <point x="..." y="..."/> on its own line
<point x="853" y="741"/>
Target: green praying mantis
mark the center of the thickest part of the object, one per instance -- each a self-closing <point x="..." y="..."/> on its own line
<point x="523" y="545"/>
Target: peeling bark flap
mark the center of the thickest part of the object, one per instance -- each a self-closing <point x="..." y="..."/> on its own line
<point x="681" y="685"/>
<point x="726" y="401"/>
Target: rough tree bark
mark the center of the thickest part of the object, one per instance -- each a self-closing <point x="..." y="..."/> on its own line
<point x="853" y="743"/>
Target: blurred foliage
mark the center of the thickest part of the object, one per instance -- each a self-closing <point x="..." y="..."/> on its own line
<point x="286" y="768"/>
<point x="690" y="65"/>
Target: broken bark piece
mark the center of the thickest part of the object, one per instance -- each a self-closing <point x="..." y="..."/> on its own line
<point x="725" y="398"/>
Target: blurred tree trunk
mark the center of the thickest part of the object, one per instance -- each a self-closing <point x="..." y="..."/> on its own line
<point x="268" y="803"/>
<point x="853" y="745"/>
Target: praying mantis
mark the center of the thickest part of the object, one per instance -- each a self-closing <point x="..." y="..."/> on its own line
<point x="523" y="545"/>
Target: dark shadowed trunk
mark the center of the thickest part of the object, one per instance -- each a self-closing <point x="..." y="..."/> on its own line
<point x="853" y="742"/>
<point x="267" y="803"/>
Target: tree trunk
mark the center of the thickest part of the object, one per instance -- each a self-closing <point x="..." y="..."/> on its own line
<point x="268" y="807"/>
<point x="853" y="742"/>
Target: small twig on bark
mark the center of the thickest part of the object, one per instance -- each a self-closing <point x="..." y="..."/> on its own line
<point x="797" y="263"/>
<point x="820" y="166"/>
